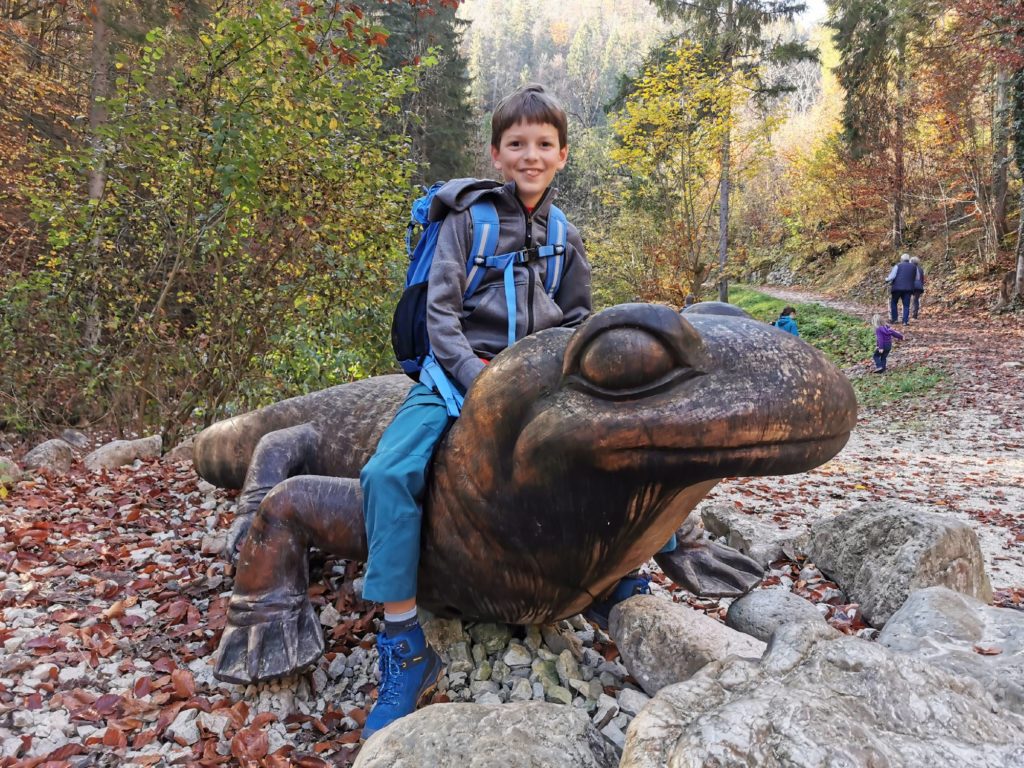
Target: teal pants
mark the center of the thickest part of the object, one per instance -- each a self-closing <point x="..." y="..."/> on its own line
<point x="393" y="483"/>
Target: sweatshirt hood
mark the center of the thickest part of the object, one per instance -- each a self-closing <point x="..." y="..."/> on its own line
<point x="460" y="194"/>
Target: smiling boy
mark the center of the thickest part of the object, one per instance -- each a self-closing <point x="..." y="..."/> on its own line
<point x="528" y="147"/>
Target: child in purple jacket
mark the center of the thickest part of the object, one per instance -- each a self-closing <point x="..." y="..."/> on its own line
<point x="883" y="342"/>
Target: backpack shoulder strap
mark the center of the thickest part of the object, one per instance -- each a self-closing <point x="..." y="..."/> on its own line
<point x="485" y="243"/>
<point x="558" y="232"/>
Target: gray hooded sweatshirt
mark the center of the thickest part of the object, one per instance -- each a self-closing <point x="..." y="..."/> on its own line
<point x="461" y="333"/>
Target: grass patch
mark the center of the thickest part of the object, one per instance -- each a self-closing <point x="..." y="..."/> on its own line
<point x="897" y="384"/>
<point x="846" y="340"/>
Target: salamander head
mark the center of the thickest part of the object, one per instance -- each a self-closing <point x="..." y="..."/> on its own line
<point x="640" y="388"/>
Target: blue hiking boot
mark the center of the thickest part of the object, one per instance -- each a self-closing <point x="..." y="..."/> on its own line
<point x="628" y="586"/>
<point x="409" y="669"/>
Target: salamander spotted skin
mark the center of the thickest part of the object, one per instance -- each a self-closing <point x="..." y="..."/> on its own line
<point x="577" y="455"/>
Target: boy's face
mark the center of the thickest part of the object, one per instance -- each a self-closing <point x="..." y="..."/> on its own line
<point x="530" y="156"/>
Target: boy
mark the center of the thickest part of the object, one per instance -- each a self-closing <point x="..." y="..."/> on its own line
<point x="528" y="146"/>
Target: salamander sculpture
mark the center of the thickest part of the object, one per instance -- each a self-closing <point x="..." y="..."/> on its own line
<point x="577" y="455"/>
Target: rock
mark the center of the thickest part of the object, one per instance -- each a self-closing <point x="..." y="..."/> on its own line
<point x="662" y="642"/>
<point x="442" y="634"/>
<point x="631" y="702"/>
<point x="614" y="735"/>
<point x="761" y="612"/>
<point x="817" y="699"/>
<point x="521" y="690"/>
<point x="213" y="544"/>
<point x="880" y="553"/>
<point x="117" y="453"/>
<point x="758" y="539"/>
<point x="560" y="636"/>
<point x="213" y="723"/>
<point x="54" y="455"/>
<point x="185" y="729"/>
<point x="493" y="637"/>
<point x="607" y="708"/>
<point x="329" y="616"/>
<point x="337" y="666"/>
<point x="521" y="735"/>
<point x="964" y="636"/>
<point x="10" y="472"/>
<point x="75" y="439"/>
<point x="181" y="452"/>
<point x="566" y="667"/>
<point x="517" y="655"/>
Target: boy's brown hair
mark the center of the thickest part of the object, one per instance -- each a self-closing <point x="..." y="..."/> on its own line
<point x="529" y="104"/>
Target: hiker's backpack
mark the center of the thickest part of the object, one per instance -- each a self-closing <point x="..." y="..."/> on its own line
<point x="409" y="325"/>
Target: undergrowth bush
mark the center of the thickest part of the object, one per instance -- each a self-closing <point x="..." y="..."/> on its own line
<point x="248" y="244"/>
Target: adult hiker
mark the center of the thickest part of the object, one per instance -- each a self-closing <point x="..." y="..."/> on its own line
<point x="901" y="287"/>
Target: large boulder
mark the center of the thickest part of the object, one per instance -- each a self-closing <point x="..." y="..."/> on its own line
<point x="54" y="455"/>
<point x="524" y="735"/>
<point x="662" y="642"/>
<point x="964" y="636"/>
<point x="761" y="612"/>
<point x="117" y="453"/>
<point x="820" y="699"/>
<point x="880" y="553"/>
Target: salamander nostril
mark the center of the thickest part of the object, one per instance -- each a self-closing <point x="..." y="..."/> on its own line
<point x="625" y="359"/>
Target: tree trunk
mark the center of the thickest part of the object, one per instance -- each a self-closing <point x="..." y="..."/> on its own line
<point x="899" y="169"/>
<point x="97" y="179"/>
<point x="1018" y="287"/>
<point x="723" y="191"/>
<point x="1000" y="155"/>
<point x="1018" y="152"/>
<point x="723" y="222"/>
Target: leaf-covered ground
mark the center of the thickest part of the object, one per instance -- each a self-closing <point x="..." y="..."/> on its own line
<point x="110" y="608"/>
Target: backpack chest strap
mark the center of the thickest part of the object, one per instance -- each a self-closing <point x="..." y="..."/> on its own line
<point x="483" y="256"/>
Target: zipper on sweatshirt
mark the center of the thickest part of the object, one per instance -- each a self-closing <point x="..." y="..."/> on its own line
<point x="530" y="289"/>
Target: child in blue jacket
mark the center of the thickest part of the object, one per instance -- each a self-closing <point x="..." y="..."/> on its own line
<point x="787" y="321"/>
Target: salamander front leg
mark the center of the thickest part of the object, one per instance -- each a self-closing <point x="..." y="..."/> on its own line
<point x="272" y="629"/>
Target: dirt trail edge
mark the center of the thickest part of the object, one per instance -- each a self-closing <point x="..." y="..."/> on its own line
<point x="957" y="451"/>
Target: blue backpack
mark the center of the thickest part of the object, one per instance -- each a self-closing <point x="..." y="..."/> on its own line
<point x="409" y="325"/>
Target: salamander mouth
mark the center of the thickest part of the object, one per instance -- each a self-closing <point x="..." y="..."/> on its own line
<point x="768" y="458"/>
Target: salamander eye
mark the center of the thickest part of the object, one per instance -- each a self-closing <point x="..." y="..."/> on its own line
<point x="625" y="359"/>
<point x="632" y="351"/>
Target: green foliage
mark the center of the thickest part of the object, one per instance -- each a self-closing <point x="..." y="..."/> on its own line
<point x="874" y="38"/>
<point x="251" y="197"/>
<point x="737" y="35"/>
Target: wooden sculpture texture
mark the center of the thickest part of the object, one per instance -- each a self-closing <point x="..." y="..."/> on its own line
<point x="577" y="455"/>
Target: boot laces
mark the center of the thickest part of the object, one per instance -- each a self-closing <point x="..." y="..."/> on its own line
<point x="387" y="663"/>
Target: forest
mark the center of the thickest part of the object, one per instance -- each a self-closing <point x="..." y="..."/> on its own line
<point x="203" y="204"/>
